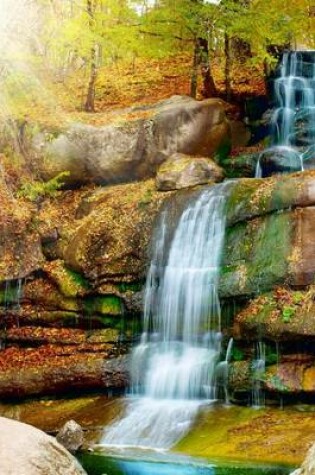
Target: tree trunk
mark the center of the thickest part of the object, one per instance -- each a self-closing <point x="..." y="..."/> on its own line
<point x="227" y="70"/>
<point x="201" y="58"/>
<point x="90" y="98"/>
<point x="194" y="73"/>
<point x="208" y="85"/>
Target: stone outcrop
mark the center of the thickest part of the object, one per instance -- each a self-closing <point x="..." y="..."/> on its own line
<point x="20" y="246"/>
<point x="25" y="450"/>
<point x="308" y="466"/>
<point x="71" y="322"/>
<point x="182" y="171"/>
<point x="123" y="152"/>
<point x="59" y="369"/>
<point x="284" y="323"/>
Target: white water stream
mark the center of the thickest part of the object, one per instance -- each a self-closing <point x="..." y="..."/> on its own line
<point x="174" y="366"/>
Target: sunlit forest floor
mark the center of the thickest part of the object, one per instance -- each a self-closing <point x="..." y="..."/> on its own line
<point x="61" y="96"/>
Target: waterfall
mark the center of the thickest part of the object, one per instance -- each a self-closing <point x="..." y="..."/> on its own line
<point x="258" y="371"/>
<point x="222" y="372"/>
<point x="173" y="368"/>
<point x="292" y="122"/>
<point x="295" y="100"/>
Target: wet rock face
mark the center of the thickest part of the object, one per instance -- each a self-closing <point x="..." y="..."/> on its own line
<point x="25" y="450"/>
<point x="279" y="160"/>
<point x="131" y="151"/>
<point x="275" y="215"/>
<point x="283" y="321"/>
<point x="183" y="171"/>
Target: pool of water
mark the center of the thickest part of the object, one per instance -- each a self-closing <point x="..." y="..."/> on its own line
<point x="100" y="464"/>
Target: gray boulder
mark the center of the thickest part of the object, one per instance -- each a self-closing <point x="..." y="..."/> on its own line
<point x="25" y="450"/>
<point x="133" y="150"/>
<point x="183" y="171"/>
<point x="71" y="436"/>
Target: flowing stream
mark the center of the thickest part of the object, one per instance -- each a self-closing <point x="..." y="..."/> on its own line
<point x="174" y="365"/>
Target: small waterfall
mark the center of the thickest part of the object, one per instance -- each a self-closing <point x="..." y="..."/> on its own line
<point x="222" y="372"/>
<point x="295" y="100"/>
<point x="173" y="369"/>
<point x="292" y="123"/>
<point x="258" y="371"/>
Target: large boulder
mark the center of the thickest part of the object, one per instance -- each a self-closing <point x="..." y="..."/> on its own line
<point x="183" y="171"/>
<point x="123" y="152"/>
<point x="25" y="450"/>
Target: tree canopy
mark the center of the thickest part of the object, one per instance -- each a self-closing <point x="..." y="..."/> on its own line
<point x="78" y="38"/>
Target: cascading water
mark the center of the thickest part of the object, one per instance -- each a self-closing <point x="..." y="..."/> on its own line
<point x="258" y="371"/>
<point x="174" y="365"/>
<point x="293" y="121"/>
<point x="222" y="372"/>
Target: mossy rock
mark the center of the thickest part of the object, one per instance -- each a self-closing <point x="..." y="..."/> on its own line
<point x="282" y="315"/>
<point x="242" y="166"/>
<point x="110" y="243"/>
<point x="107" y="305"/>
<point x="69" y="282"/>
<point x="184" y="171"/>
<point x="45" y="294"/>
<point x="247" y="267"/>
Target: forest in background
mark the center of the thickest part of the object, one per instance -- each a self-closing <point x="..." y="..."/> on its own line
<point x="61" y="57"/>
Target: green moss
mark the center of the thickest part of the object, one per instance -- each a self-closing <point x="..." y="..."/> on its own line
<point x="103" y="305"/>
<point x="130" y="286"/>
<point x="277" y="384"/>
<point x="271" y="249"/>
<point x="237" y="354"/>
<point x="70" y="283"/>
<point x="256" y="255"/>
<point x="37" y="189"/>
<point x="284" y="194"/>
<point x="288" y="312"/>
<point x="75" y="283"/>
<point x="8" y="296"/>
<point x="240" y="198"/>
<point x="223" y="150"/>
<point x="146" y="199"/>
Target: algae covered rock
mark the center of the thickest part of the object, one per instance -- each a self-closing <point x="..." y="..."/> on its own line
<point x="25" y="450"/>
<point x="281" y="315"/>
<point x="127" y="151"/>
<point x="183" y="171"/>
<point x="277" y="215"/>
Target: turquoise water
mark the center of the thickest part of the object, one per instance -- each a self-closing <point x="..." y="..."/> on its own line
<point x="106" y="465"/>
